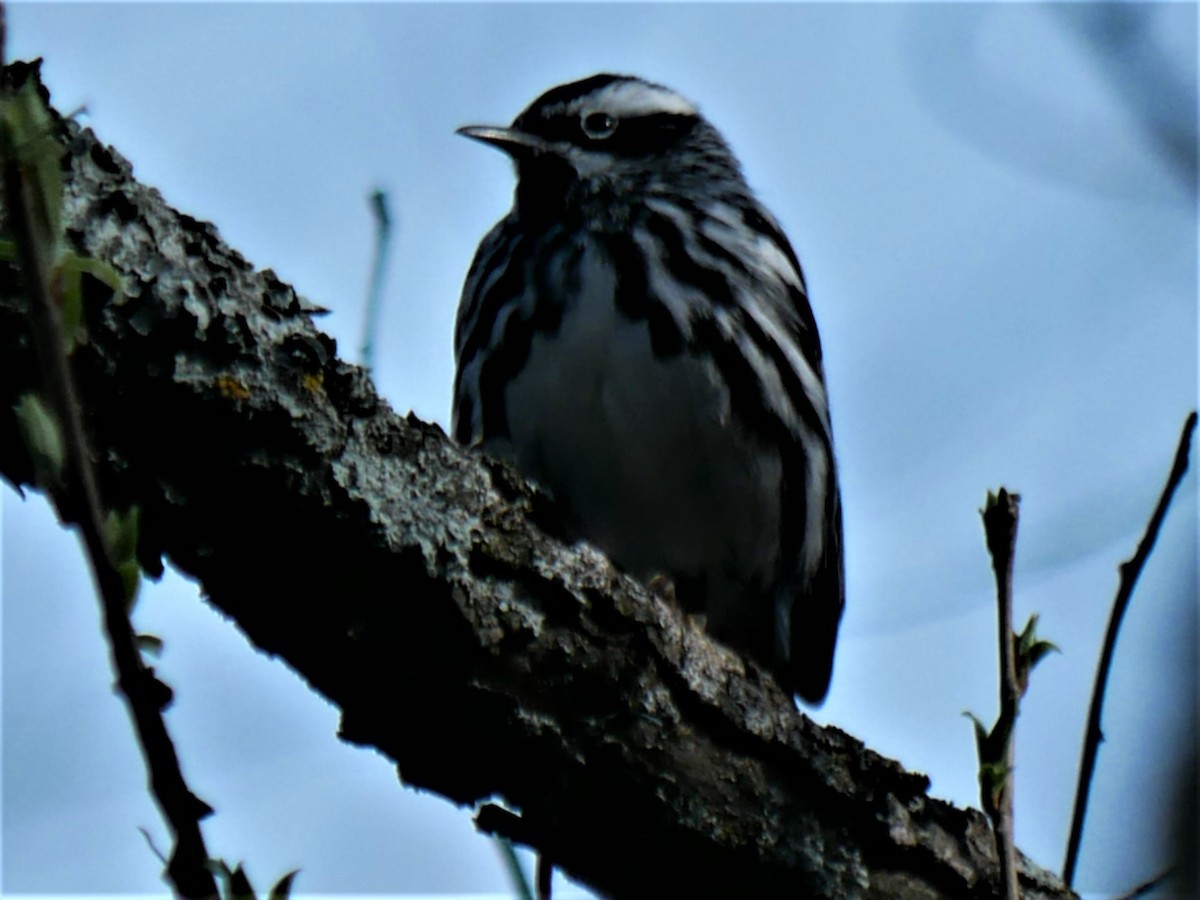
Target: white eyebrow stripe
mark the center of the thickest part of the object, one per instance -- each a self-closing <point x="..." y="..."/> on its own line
<point x="634" y="98"/>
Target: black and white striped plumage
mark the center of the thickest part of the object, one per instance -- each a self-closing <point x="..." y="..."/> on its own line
<point x="635" y="336"/>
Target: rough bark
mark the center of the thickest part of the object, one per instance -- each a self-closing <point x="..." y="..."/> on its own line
<point x="424" y="591"/>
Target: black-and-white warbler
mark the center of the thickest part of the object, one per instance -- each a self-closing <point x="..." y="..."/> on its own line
<point x="635" y="336"/>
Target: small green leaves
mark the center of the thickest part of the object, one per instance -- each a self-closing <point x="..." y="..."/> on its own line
<point x="149" y="644"/>
<point x="992" y="746"/>
<point x="68" y="271"/>
<point x="992" y="749"/>
<point x="43" y="439"/>
<point x="993" y="779"/>
<point x="31" y="140"/>
<point x="121" y="531"/>
<point x="121" y="534"/>
<point x="283" y="887"/>
<point x="235" y="884"/>
<point x="131" y="578"/>
<point x="1029" y="651"/>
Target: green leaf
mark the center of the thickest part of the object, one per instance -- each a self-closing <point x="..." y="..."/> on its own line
<point x="71" y="268"/>
<point x="131" y="578"/>
<point x="223" y="873"/>
<point x="1039" y="650"/>
<point x="150" y="644"/>
<point x="283" y="887"/>
<point x="98" y="269"/>
<point x="121" y="530"/>
<point x="37" y="152"/>
<point x="994" y="772"/>
<point x="992" y="779"/>
<point x="43" y="439"/>
<point x="70" y="307"/>
<point x="1029" y="650"/>
<point x="981" y="735"/>
<point x="233" y="882"/>
<point x="1027" y="636"/>
<point x="239" y="884"/>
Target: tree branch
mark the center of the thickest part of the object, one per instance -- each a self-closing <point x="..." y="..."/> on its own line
<point x="79" y="501"/>
<point x="996" y="774"/>
<point x="424" y="591"/>
<point x="1131" y="569"/>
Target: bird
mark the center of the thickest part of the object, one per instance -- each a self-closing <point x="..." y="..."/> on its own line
<point x="635" y="337"/>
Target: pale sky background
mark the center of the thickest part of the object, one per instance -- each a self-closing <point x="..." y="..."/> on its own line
<point x="1001" y="250"/>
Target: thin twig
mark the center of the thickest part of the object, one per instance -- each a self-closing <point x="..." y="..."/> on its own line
<point x="80" y="503"/>
<point x="516" y="871"/>
<point x="1000" y="526"/>
<point x="383" y="236"/>
<point x="1147" y="887"/>
<point x="545" y="876"/>
<point x="1130" y="570"/>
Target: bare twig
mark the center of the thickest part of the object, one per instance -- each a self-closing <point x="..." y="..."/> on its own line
<point x="1147" y="887"/>
<point x="516" y="872"/>
<point x="545" y="876"/>
<point x="383" y="236"/>
<point x="1130" y="570"/>
<point x="1000" y="526"/>
<point x="145" y="695"/>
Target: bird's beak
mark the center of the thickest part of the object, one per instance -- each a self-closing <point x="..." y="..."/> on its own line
<point x="514" y="142"/>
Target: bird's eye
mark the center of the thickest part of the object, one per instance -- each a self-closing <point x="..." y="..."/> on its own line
<point x="597" y="125"/>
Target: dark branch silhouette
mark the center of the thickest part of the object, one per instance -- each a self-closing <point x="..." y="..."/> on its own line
<point x="1130" y="570"/>
<point x="1000" y="518"/>
<point x="78" y="501"/>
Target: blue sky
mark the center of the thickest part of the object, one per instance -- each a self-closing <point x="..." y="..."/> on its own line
<point x="1002" y="260"/>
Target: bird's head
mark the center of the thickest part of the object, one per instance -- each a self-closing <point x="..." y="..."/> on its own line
<point x="605" y="143"/>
